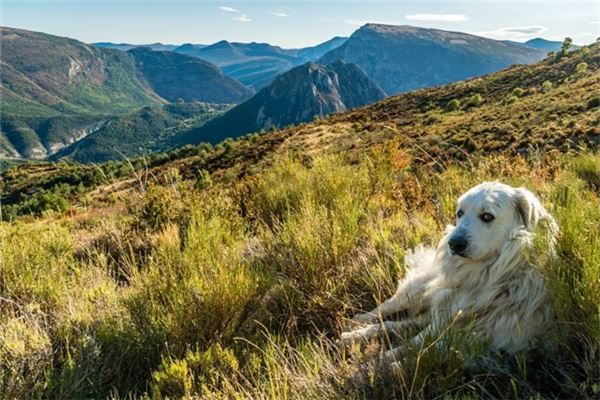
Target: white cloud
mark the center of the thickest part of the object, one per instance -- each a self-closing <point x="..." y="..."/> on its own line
<point x="229" y="9"/>
<point x="242" y="18"/>
<point x="437" y="17"/>
<point x="515" y="32"/>
<point x="279" y="13"/>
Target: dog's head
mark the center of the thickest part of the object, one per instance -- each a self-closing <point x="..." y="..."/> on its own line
<point x="490" y="214"/>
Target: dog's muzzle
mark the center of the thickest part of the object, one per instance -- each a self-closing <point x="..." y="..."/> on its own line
<point x="458" y="245"/>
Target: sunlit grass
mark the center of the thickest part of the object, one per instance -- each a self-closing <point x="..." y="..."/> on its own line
<point x="241" y="292"/>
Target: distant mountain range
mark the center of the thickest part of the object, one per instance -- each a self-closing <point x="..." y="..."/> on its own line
<point x="64" y="98"/>
<point x="129" y="46"/>
<point x="403" y="58"/>
<point x="296" y="96"/>
<point x="253" y="64"/>
<point x="540" y="44"/>
<point x="256" y="64"/>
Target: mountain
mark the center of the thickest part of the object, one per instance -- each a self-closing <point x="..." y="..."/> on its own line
<point x="48" y="75"/>
<point x="545" y="45"/>
<point x="403" y="58"/>
<point x="177" y="77"/>
<point x="253" y="64"/>
<point x="129" y="46"/>
<point x="144" y="131"/>
<point x="296" y="96"/>
<point x="540" y="44"/>
<point x="256" y="64"/>
<point x="318" y="51"/>
<point x="55" y="90"/>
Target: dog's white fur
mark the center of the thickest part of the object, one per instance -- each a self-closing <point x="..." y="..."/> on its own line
<point x="493" y="289"/>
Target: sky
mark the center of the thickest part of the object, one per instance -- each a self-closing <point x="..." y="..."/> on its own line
<point x="293" y="24"/>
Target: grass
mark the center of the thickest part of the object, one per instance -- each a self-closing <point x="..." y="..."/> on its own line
<point x="239" y="291"/>
<point x="229" y="272"/>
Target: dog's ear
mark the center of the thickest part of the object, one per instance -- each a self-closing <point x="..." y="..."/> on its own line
<point x="532" y="211"/>
<point x="528" y="207"/>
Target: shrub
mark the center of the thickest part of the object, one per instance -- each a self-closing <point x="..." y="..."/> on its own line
<point x="453" y="105"/>
<point x="475" y="100"/>
<point x="512" y="99"/>
<point x="547" y="86"/>
<point x="159" y="207"/>
<point x="593" y="102"/>
<point x="518" y="92"/>
<point x="25" y="356"/>
<point x="43" y="201"/>
<point x="203" y="180"/>
<point x="197" y="373"/>
<point x="581" y="68"/>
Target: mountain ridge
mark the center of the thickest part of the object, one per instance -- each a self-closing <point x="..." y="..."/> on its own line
<point x="299" y="95"/>
<point x="400" y="58"/>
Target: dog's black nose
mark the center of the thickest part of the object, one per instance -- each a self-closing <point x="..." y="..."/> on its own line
<point x="457" y="244"/>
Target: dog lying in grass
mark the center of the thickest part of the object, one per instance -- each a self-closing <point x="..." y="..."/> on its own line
<point x="481" y="276"/>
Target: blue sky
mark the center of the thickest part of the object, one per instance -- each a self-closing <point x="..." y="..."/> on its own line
<point x="296" y="23"/>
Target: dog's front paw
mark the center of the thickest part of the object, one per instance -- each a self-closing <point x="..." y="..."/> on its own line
<point x="349" y="338"/>
<point x="365" y="318"/>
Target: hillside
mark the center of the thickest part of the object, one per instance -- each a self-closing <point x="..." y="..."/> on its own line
<point x="520" y="110"/>
<point x="403" y="58"/>
<point x="177" y="77"/>
<point x="56" y="91"/>
<point x="230" y="271"/>
<point x="47" y="75"/>
<point x="299" y="95"/>
<point x="142" y="132"/>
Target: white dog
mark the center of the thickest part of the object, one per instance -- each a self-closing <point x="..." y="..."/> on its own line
<point x="480" y="275"/>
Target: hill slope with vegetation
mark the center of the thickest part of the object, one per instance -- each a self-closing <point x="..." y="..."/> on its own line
<point x="229" y="272"/>
<point x="148" y="130"/>
<point x="56" y="91"/>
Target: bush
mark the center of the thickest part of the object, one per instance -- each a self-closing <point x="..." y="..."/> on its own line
<point x="25" y="356"/>
<point x="512" y="99"/>
<point x="453" y="105"/>
<point x="581" y="68"/>
<point x="203" y="180"/>
<point x="518" y="92"/>
<point x="547" y="86"/>
<point x="475" y="100"/>
<point x="197" y="373"/>
<point x="593" y="102"/>
<point x="43" y="201"/>
<point x="159" y="207"/>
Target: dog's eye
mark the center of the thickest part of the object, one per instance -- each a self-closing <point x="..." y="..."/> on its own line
<point x="486" y="217"/>
<point x="459" y="213"/>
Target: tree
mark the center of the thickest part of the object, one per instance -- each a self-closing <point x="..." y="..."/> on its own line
<point x="566" y="45"/>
